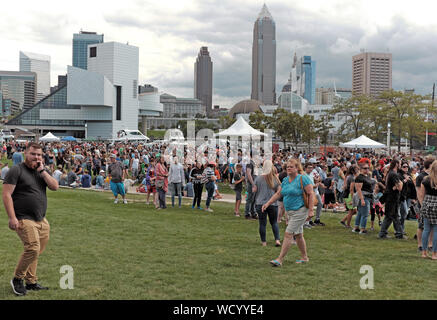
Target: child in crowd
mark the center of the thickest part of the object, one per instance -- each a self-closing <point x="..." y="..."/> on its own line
<point x="377" y="208"/>
<point x="100" y="180"/>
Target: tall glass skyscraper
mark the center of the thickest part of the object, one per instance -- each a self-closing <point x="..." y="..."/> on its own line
<point x="264" y="58"/>
<point x="308" y="79"/>
<point x="203" y="79"/>
<point x="40" y="64"/>
<point x="80" y="47"/>
<point x="303" y="78"/>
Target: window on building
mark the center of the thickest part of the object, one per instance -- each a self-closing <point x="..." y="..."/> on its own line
<point x="118" y="102"/>
<point x="93" y="52"/>
<point x="135" y="89"/>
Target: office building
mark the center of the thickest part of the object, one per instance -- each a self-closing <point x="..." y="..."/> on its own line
<point x="371" y="73"/>
<point x="81" y="41"/>
<point x="19" y="87"/>
<point x="40" y="64"/>
<point x="203" y="79"/>
<point x="181" y="107"/>
<point x="264" y="59"/>
<point x="302" y="80"/>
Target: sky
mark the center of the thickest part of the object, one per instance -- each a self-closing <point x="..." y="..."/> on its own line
<point x="169" y="35"/>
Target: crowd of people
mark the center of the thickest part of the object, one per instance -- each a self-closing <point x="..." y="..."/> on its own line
<point x="284" y="188"/>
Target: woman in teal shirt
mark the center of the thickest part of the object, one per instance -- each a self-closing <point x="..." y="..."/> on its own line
<point x="292" y="189"/>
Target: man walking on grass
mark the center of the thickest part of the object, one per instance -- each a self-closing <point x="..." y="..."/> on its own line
<point x="25" y="201"/>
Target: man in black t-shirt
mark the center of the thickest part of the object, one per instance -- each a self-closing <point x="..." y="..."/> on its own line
<point x="25" y="201"/>
<point x="392" y="194"/>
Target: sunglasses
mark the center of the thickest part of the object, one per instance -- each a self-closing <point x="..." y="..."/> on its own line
<point x="404" y="166"/>
<point x="366" y="168"/>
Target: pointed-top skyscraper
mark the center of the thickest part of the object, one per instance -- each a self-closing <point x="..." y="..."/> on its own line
<point x="264" y="58"/>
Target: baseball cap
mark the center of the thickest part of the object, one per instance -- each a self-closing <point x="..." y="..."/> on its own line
<point x="102" y="171"/>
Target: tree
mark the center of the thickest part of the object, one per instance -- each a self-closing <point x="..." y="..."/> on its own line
<point x="280" y="123"/>
<point x="308" y="127"/>
<point x="226" y="121"/>
<point x="322" y="128"/>
<point x="353" y="111"/>
<point x="259" y="120"/>
<point x="402" y="110"/>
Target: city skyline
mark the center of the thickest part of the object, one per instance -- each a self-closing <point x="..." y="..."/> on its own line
<point x="169" y="35"/>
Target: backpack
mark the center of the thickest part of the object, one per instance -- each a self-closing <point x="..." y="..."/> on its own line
<point x="94" y="181"/>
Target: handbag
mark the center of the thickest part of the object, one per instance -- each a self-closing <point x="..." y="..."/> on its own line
<point x="159" y="183"/>
<point x="305" y="196"/>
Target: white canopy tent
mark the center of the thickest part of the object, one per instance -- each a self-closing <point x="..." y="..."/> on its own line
<point x="363" y="142"/>
<point x="240" y="128"/>
<point x="49" y="137"/>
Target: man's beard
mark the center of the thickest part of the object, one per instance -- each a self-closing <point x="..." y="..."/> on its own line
<point x="31" y="164"/>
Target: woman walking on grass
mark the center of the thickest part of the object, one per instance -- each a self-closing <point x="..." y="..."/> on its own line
<point x="265" y="187"/>
<point x="428" y="201"/>
<point x="292" y="189"/>
<point x="349" y="190"/>
<point x="363" y="185"/>
<point x="196" y="178"/>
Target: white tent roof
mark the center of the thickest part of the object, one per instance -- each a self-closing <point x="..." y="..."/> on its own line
<point x="49" y="137"/>
<point x="240" y="128"/>
<point x="362" y="142"/>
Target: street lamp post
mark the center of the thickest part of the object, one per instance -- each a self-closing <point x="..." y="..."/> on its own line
<point x="388" y="137"/>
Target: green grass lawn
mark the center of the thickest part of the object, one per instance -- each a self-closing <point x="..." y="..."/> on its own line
<point x="136" y="252"/>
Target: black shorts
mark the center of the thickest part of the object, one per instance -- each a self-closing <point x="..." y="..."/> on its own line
<point x="329" y="198"/>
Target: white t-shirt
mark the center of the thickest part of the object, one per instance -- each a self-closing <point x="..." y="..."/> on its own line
<point x="57" y="175"/>
<point x="135" y="163"/>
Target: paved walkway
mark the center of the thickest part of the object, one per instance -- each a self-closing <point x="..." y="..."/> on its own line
<point x="228" y="198"/>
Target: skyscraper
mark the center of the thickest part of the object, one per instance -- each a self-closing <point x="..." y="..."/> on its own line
<point x="80" y="46"/>
<point x="371" y="73"/>
<point x="264" y="58"/>
<point x="308" y="79"/>
<point x="40" y="64"/>
<point x="20" y="87"/>
<point x="203" y="79"/>
<point x="303" y="78"/>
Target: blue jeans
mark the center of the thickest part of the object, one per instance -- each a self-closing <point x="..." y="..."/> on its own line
<point x="403" y="213"/>
<point x="319" y="206"/>
<point x="250" y="201"/>
<point x="425" y="235"/>
<point x="176" y="189"/>
<point x="272" y="213"/>
<point x="362" y="213"/>
<point x="210" y="189"/>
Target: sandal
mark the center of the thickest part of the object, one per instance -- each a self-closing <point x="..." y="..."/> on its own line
<point x="300" y="261"/>
<point x="275" y="263"/>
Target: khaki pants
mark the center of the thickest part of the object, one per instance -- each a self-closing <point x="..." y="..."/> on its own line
<point x="34" y="236"/>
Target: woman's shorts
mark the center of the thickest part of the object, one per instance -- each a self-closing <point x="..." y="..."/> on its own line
<point x="296" y="220"/>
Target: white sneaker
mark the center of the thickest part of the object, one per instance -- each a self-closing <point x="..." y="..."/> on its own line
<point x="116" y="201"/>
<point x="209" y="210"/>
<point x="125" y="201"/>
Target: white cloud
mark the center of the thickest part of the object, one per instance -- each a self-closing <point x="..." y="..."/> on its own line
<point x="170" y="34"/>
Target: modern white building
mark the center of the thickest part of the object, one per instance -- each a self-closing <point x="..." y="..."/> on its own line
<point x="119" y="63"/>
<point x="40" y="64"/>
<point x="96" y="103"/>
